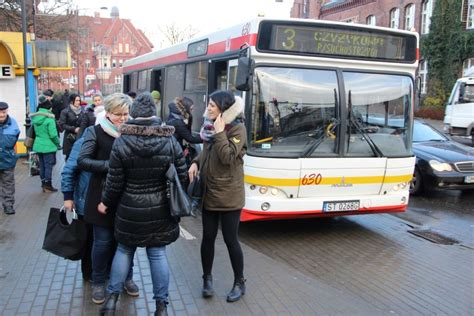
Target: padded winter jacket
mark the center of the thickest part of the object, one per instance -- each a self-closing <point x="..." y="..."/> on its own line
<point x="136" y="183"/>
<point x="9" y="133"/>
<point x="46" y="140"/>
<point x="74" y="181"/>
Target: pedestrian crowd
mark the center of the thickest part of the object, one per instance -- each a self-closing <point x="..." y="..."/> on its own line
<point x="117" y="151"/>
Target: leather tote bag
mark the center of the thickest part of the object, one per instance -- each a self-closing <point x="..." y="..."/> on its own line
<point x="30" y="137"/>
<point x="65" y="234"/>
<point x="179" y="200"/>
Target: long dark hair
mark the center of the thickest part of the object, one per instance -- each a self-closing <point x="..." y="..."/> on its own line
<point x="73" y="97"/>
<point x="224" y="99"/>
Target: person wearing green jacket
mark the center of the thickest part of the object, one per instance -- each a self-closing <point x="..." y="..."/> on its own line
<point x="46" y="142"/>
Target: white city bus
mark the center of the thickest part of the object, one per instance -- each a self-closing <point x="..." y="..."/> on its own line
<point x="329" y="110"/>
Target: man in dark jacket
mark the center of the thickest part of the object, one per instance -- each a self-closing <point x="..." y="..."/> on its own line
<point x="9" y="133"/>
<point x="136" y="187"/>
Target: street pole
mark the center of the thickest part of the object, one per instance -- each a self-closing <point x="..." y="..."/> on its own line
<point x="25" y="66"/>
<point x="78" y="58"/>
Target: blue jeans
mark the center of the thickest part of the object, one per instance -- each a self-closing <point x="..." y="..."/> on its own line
<point x="160" y="273"/>
<point x="46" y="164"/>
<point x="103" y="249"/>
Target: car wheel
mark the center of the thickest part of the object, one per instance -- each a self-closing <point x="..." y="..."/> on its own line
<point x="416" y="184"/>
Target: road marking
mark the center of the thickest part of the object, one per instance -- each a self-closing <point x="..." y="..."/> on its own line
<point x="185" y="234"/>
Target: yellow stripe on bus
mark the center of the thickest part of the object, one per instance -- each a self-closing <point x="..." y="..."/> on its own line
<point x="327" y="181"/>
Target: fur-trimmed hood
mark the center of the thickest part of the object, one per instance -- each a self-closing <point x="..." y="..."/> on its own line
<point x="42" y="112"/>
<point x="234" y="111"/>
<point x="146" y="137"/>
<point x="146" y="130"/>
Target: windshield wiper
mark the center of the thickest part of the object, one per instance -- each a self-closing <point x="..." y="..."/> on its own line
<point x="376" y="150"/>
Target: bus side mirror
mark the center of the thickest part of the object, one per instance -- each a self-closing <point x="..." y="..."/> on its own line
<point x="244" y="68"/>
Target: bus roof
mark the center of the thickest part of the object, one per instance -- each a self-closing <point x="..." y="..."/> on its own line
<point x="227" y="40"/>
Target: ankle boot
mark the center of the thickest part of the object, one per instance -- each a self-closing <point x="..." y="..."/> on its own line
<point x="161" y="308"/>
<point x="237" y="290"/>
<point x="48" y="187"/>
<point x="108" y="309"/>
<point x="207" y="289"/>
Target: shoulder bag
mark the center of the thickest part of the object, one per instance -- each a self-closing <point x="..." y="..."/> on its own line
<point x="179" y="200"/>
<point x="30" y="137"/>
<point x="65" y="234"/>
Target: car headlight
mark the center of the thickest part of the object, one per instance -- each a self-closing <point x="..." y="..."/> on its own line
<point x="440" y="166"/>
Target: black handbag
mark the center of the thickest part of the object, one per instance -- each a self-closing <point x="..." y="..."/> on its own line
<point x="195" y="191"/>
<point x="65" y="235"/>
<point x="179" y="200"/>
<point x="30" y="137"/>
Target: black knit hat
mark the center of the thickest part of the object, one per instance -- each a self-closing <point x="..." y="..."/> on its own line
<point x="3" y="105"/>
<point x="143" y="106"/>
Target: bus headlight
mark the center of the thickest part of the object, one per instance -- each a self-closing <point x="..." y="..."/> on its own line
<point x="265" y="206"/>
<point x="263" y="190"/>
<point x="440" y="166"/>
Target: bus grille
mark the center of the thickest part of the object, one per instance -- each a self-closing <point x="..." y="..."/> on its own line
<point x="465" y="166"/>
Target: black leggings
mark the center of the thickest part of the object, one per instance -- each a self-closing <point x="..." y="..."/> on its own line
<point x="230" y="227"/>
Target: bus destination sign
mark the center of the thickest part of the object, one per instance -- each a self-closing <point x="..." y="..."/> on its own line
<point x="343" y="42"/>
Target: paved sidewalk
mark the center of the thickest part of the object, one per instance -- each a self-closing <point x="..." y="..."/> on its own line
<point x="34" y="282"/>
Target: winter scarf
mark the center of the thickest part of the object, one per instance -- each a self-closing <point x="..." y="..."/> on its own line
<point x="76" y="109"/>
<point x="98" y="109"/>
<point x="207" y="130"/>
<point x="108" y="127"/>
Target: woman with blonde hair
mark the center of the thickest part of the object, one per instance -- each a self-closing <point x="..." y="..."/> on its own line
<point x="94" y="157"/>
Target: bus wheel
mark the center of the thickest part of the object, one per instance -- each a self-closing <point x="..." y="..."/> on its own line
<point x="416" y="184"/>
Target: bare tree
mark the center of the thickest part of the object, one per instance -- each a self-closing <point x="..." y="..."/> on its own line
<point x="53" y="21"/>
<point x="175" y="34"/>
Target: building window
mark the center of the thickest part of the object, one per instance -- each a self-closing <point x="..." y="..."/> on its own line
<point x="394" y="18"/>
<point x="74" y="63"/>
<point x="409" y="17"/>
<point x="120" y="48"/>
<point x="470" y="15"/>
<point x="74" y="79"/>
<point x="118" y="79"/>
<point x="424" y="76"/>
<point x="467" y="65"/>
<point x="426" y="12"/>
<point x="127" y="48"/>
<point x="371" y="20"/>
<point x="114" y="63"/>
<point x="120" y="62"/>
<point x="87" y="63"/>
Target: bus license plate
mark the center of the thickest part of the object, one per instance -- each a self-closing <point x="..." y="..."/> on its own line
<point x="469" y="179"/>
<point x="341" y="206"/>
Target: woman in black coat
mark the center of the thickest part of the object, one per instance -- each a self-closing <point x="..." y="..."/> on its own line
<point x="69" y="122"/>
<point x="136" y="188"/>
<point x="181" y="118"/>
<point x="94" y="157"/>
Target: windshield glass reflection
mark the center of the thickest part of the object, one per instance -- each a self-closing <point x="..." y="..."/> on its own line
<point x="294" y="112"/>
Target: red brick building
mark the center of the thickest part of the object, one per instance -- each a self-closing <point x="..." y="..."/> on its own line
<point x="401" y="14"/>
<point x="104" y="44"/>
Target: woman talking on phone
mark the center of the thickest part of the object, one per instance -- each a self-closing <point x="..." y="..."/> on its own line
<point x="220" y="166"/>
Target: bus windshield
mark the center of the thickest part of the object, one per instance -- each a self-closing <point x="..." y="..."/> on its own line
<point x="291" y="109"/>
<point x="297" y="113"/>
<point x="378" y="114"/>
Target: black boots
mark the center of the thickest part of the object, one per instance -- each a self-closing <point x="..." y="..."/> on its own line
<point x="108" y="309"/>
<point x="161" y="308"/>
<point x="207" y="289"/>
<point x="48" y="186"/>
<point x="237" y="290"/>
